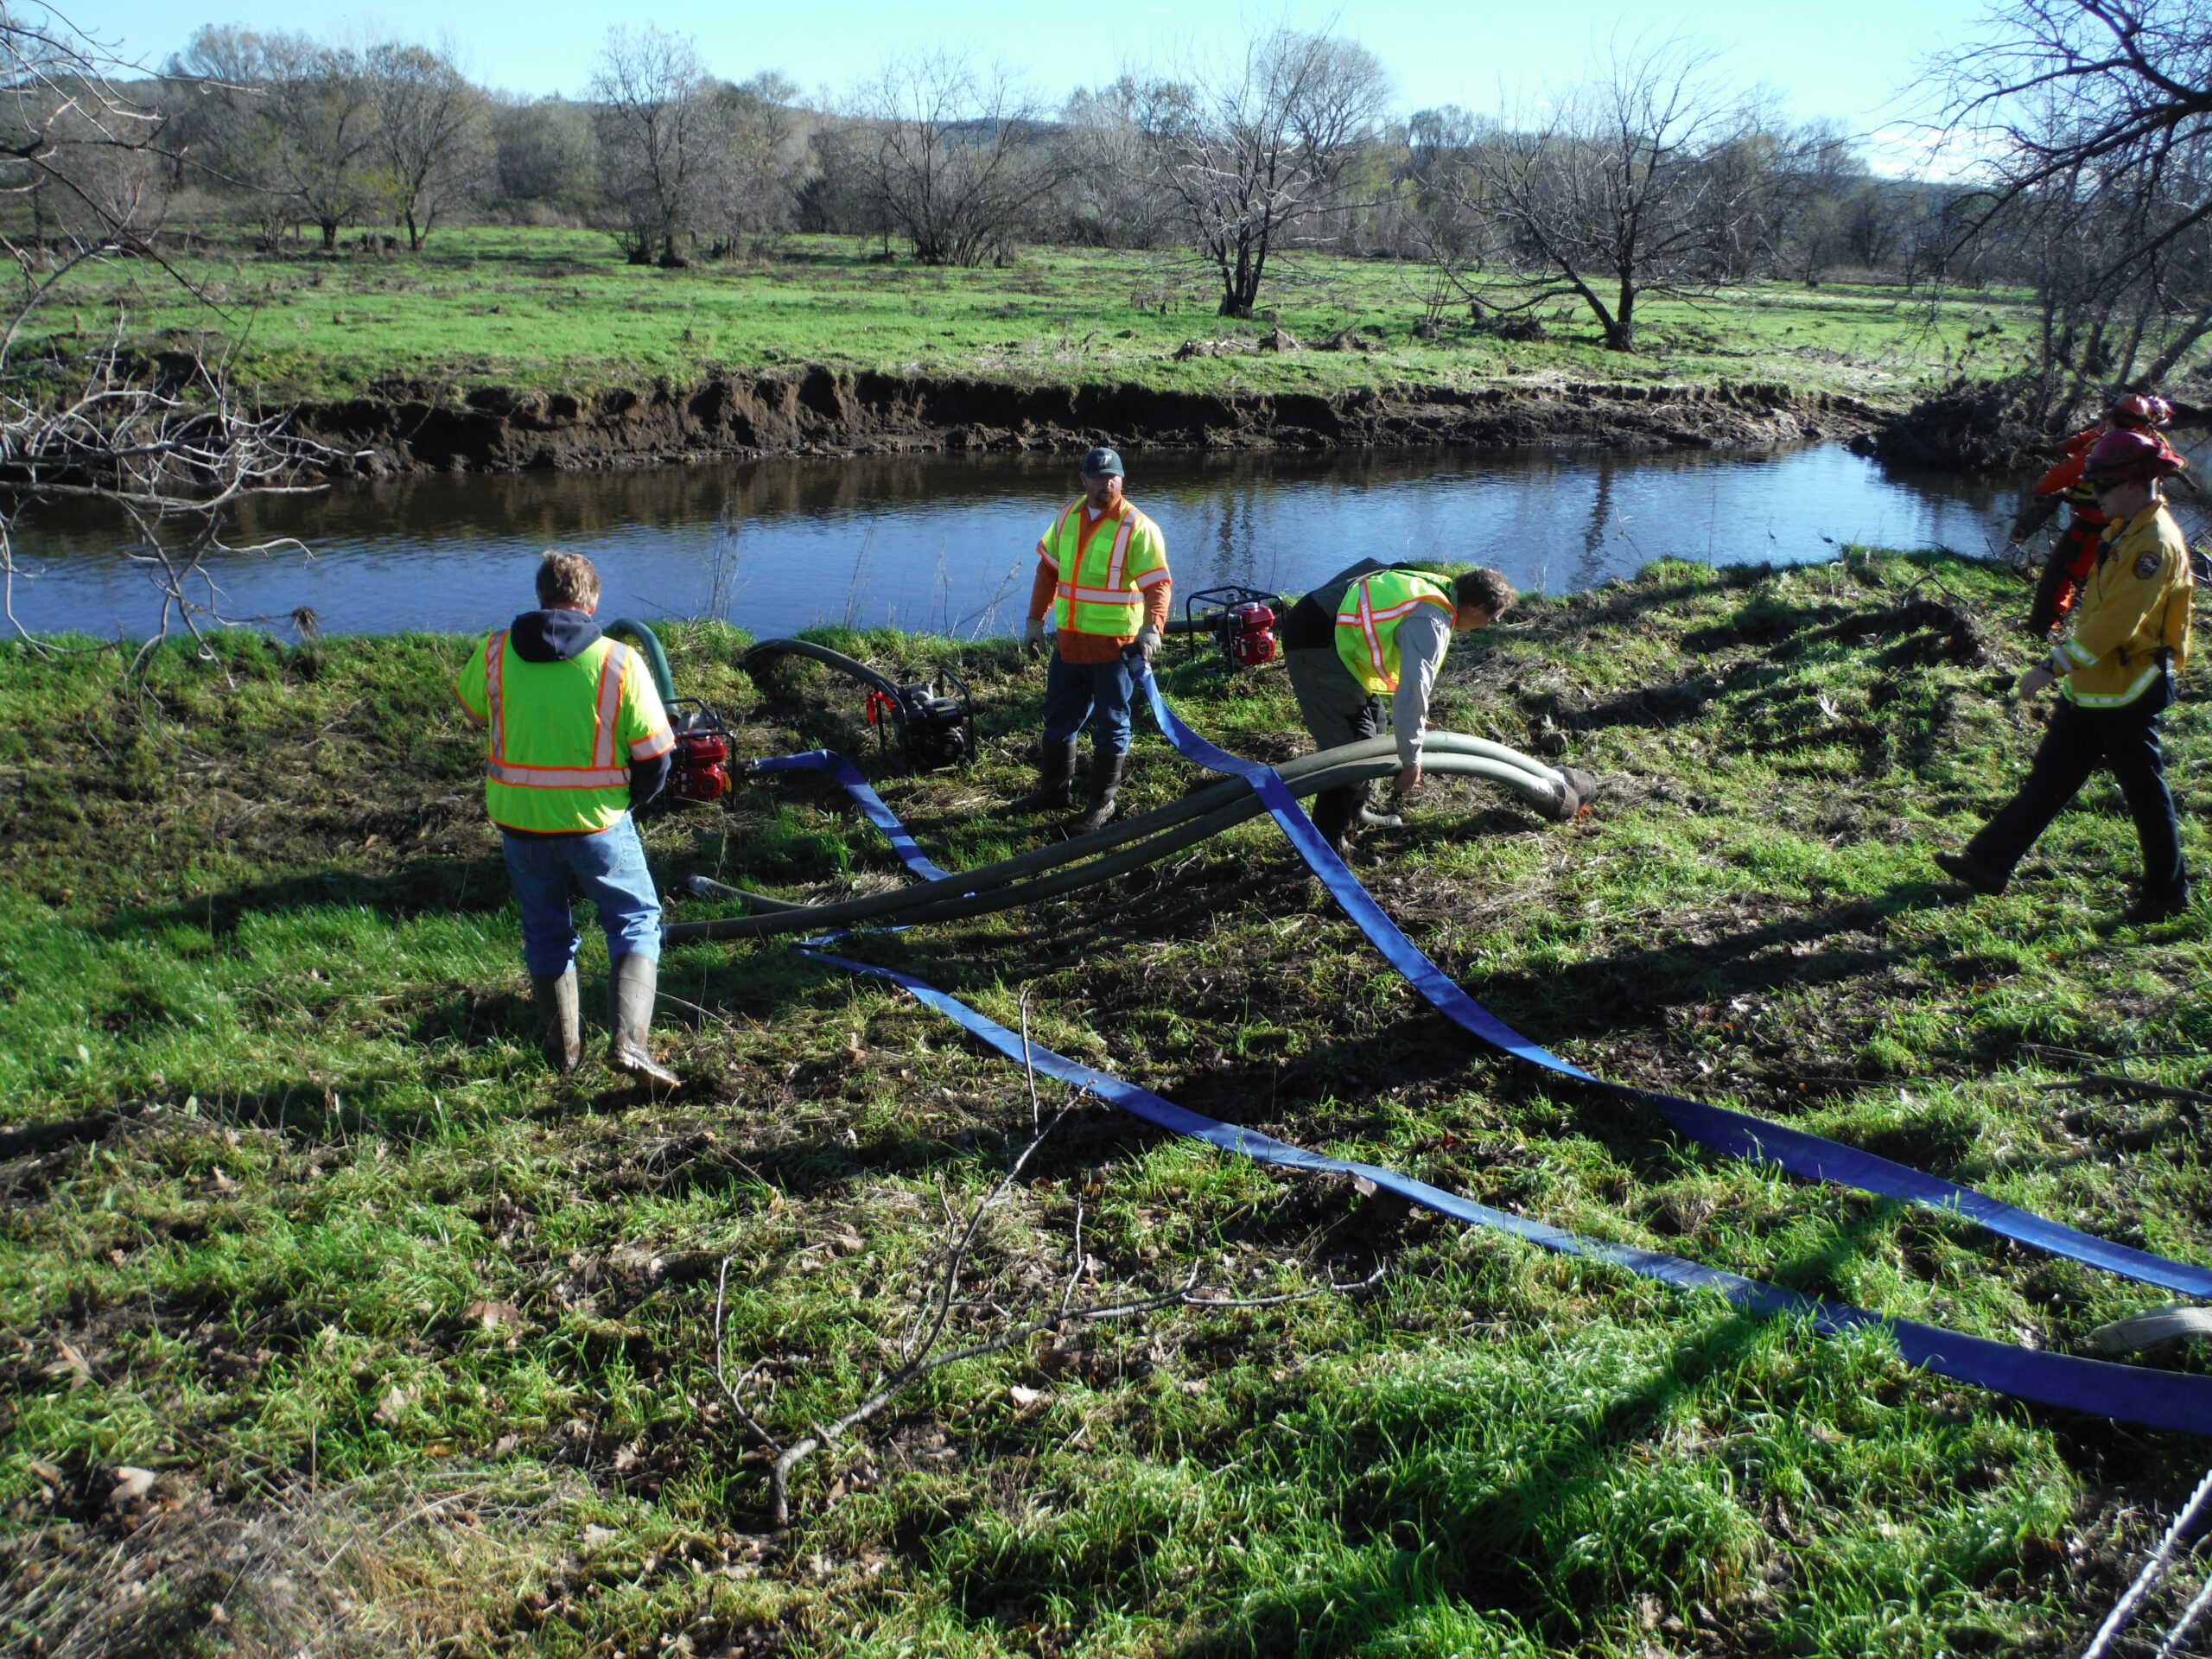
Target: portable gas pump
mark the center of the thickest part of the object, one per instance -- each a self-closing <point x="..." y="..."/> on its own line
<point x="1240" y="621"/>
<point x="934" y="719"/>
<point x="699" y="769"/>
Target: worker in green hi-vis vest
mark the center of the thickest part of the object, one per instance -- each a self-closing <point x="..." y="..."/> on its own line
<point x="577" y="739"/>
<point x="1369" y="631"/>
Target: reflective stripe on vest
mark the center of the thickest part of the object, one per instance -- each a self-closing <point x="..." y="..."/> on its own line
<point x="1366" y="631"/>
<point x="1095" y="594"/>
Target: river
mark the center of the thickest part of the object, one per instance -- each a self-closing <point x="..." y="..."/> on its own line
<point x="944" y="542"/>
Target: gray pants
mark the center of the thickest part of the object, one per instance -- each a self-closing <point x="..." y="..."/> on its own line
<point x="1337" y="710"/>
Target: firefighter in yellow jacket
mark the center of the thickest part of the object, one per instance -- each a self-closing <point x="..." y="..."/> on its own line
<point x="578" y="739"/>
<point x="2115" y="673"/>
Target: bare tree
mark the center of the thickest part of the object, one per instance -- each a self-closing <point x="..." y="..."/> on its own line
<point x="769" y="163"/>
<point x="663" y="145"/>
<point x="954" y="153"/>
<point x="2097" y="117"/>
<point x="320" y="128"/>
<point x="1252" y="151"/>
<point x="1618" y="192"/>
<point x="1443" y="227"/>
<point x="1113" y="200"/>
<point x="220" y="128"/>
<point x="166" y="446"/>
<point x="431" y="139"/>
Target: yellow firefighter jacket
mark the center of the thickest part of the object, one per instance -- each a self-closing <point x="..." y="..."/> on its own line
<point x="2134" y="610"/>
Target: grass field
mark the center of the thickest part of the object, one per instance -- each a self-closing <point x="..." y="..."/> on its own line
<point x="419" y="1345"/>
<point x="559" y="309"/>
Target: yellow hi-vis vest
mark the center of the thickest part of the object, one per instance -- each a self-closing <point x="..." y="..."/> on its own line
<point x="1101" y="583"/>
<point x="562" y="734"/>
<point x="1367" y="623"/>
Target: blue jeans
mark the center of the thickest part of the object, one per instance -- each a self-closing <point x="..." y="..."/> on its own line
<point x="610" y="867"/>
<point x="1074" y="691"/>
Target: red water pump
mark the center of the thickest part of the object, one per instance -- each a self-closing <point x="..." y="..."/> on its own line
<point x="1241" y="620"/>
<point x="1249" y="633"/>
<point x="699" y="770"/>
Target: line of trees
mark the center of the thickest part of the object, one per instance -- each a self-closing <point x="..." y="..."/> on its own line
<point x="1654" y="177"/>
<point x="1650" y="177"/>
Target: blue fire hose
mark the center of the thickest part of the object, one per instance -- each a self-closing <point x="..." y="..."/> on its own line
<point x="2133" y="1393"/>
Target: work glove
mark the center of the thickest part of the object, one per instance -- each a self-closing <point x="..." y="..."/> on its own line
<point x="1032" y="637"/>
<point x="1149" y="642"/>
<point x="2035" y="680"/>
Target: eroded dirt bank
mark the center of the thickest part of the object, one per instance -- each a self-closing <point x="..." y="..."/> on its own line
<point x="820" y="411"/>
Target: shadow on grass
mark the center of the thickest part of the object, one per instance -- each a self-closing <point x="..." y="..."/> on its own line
<point x="425" y="886"/>
<point x="1459" y="1537"/>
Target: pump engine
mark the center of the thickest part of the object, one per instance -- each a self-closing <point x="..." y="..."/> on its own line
<point x="935" y="723"/>
<point x="699" y="769"/>
<point x="1241" y="621"/>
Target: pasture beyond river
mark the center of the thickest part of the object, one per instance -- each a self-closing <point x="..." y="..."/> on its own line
<point x="935" y="543"/>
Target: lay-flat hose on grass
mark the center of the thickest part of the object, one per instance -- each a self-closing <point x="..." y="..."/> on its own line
<point x="2153" y="1398"/>
<point x="1121" y="846"/>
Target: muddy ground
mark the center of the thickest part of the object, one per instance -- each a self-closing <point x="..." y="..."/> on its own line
<point x="819" y="411"/>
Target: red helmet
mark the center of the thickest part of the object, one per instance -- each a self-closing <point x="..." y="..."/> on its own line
<point x="2125" y="455"/>
<point x="2140" y="409"/>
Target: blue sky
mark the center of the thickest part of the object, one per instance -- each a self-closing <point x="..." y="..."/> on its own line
<point x="1849" y="61"/>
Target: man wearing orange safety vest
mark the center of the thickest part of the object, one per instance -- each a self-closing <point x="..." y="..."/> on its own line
<point x="1369" y="631"/>
<point x="577" y="739"/>
<point x="1101" y="575"/>
<point x="2115" y="673"/>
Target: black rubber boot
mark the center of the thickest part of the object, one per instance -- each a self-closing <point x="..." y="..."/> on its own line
<point x="1106" y="772"/>
<point x="1055" y="768"/>
<point x="1334" y="811"/>
<point x="561" y="1025"/>
<point x="2157" y="906"/>
<point x="630" y="983"/>
<point x="1971" y="871"/>
<point x="1367" y="817"/>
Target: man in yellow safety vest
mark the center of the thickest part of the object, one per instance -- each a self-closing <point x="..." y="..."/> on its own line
<point x="1101" y="575"/>
<point x="1368" y="631"/>
<point x="577" y="739"/>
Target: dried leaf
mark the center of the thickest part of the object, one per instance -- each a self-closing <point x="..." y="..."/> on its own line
<point x="1025" y="1397"/>
<point x="131" y="1486"/>
<point x="493" y="1315"/>
<point x="596" y="1537"/>
<point x="70" y="1364"/>
<point x="394" y="1403"/>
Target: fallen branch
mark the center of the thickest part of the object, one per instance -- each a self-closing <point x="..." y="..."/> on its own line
<point x="735" y="1392"/>
<point x="2107" y="1083"/>
<point x="1186" y="1295"/>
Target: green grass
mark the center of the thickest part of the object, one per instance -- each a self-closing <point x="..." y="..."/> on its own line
<point x="419" y="1341"/>
<point x="560" y="310"/>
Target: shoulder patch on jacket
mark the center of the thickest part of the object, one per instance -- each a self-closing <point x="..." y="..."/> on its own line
<point x="2147" y="567"/>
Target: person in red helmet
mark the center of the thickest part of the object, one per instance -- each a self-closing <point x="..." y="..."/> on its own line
<point x="2115" y="672"/>
<point x="2076" y="550"/>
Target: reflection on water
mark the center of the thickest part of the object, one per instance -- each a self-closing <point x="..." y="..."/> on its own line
<point x="944" y="542"/>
